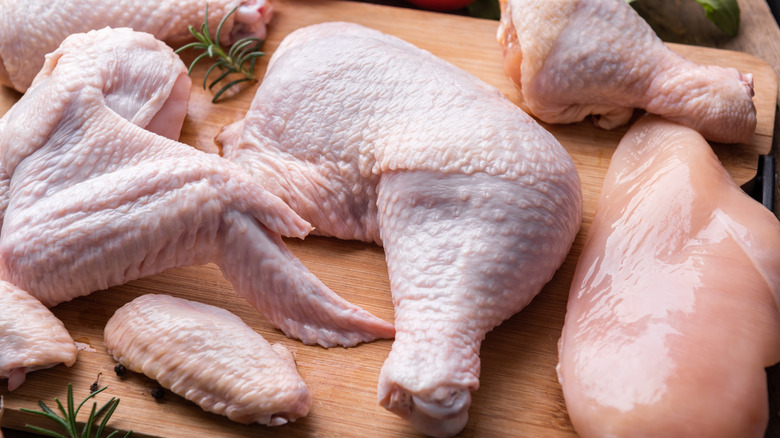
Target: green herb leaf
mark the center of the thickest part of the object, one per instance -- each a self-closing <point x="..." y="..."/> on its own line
<point x="724" y="13"/>
<point x="46" y="432"/>
<point x="231" y="62"/>
<point x="68" y="419"/>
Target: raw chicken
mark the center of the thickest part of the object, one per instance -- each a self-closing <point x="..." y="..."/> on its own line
<point x="371" y="138"/>
<point x="673" y="310"/>
<point x="210" y="357"/>
<point x="96" y="201"/>
<point x="572" y="58"/>
<point x="38" y="340"/>
<point x="31" y="29"/>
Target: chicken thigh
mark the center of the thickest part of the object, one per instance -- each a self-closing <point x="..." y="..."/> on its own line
<point x="209" y="356"/>
<point x="31" y="29"/>
<point x="572" y="58"/>
<point x="95" y="201"/>
<point x="370" y="138"/>
<point x="673" y="309"/>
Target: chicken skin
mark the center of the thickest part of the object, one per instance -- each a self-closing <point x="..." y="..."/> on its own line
<point x="573" y="58"/>
<point x="209" y="356"/>
<point x="31" y="29"/>
<point x="370" y="138"/>
<point x="673" y="309"/>
<point x="94" y="200"/>
<point x="38" y="340"/>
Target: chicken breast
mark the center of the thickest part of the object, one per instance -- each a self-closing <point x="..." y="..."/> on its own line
<point x="36" y="340"/>
<point x="95" y="201"/>
<point x="210" y="357"/>
<point x="673" y="309"/>
<point x="572" y="58"/>
<point x="31" y="29"/>
<point x="370" y="138"/>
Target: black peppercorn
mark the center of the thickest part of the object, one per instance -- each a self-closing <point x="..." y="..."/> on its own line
<point x="120" y="370"/>
<point x="157" y="392"/>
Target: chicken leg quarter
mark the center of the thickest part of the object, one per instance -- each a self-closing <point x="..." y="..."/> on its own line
<point x="370" y="138"/>
<point x="95" y="201"/>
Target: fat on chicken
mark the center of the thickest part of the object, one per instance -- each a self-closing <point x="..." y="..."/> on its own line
<point x="31" y="337"/>
<point x="94" y="200"/>
<point x="673" y="309"/>
<point x="210" y="357"/>
<point x="31" y="29"/>
<point x="371" y="138"/>
<point x="573" y="58"/>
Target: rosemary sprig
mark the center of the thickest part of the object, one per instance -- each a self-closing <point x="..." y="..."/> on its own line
<point x="68" y="419"/>
<point x="239" y="59"/>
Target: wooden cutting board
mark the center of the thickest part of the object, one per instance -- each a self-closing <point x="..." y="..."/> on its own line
<point x="519" y="393"/>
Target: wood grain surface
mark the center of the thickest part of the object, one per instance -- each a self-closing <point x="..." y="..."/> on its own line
<point x="519" y="393"/>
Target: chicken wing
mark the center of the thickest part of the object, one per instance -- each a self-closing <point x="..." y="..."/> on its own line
<point x="210" y="357"/>
<point x="95" y="201"/>
<point x="31" y="337"/>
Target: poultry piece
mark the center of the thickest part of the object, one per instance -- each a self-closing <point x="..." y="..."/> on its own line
<point x="370" y="138"/>
<point x="95" y="201"/>
<point x="194" y="349"/>
<point x="572" y="58"/>
<point x="673" y="311"/>
<point x="36" y="341"/>
<point x="31" y="29"/>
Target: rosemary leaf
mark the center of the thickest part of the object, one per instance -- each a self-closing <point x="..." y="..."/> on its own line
<point x="239" y="59"/>
<point x="192" y="45"/>
<point x="46" y="432"/>
<point x="219" y="78"/>
<point x="46" y="410"/>
<point x="93" y="394"/>
<point x="65" y="417"/>
<point x="201" y="56"/>
<point x="221" y="23"/>
<point x="68" y="419"/>
<point x="88" y="427"/>
<point x="226" y="87"/>
<point x="112" y="404"/>
<point x="71" y="411"/>
<point x="208" y="72"/>
<point x="241" y="45"/>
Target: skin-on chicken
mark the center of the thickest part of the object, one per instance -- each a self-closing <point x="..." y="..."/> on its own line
<point x="210" y="357"/>
<point x="31" y="29"/>
<point x="370" y="138"/>
<point x="95" y="201"/>
<point x="673" y="309"/>
<point x="572" y="58"/>
<point x="31" y="337"/>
